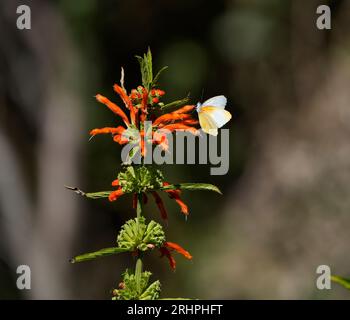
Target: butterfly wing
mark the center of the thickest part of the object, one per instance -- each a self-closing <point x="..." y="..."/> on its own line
<point x="218" y="116"/>
<point x="207" y="124"/>
<point x="218" y="102"/>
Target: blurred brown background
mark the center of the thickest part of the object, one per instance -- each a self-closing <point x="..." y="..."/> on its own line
<point x="286" y="203"/>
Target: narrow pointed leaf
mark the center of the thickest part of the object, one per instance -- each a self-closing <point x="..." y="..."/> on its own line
<point x="98" y="195"/>
<point x="91" y="195"/>
<point x="97" y="254"/>
<point x="193" y="186"/>
<point x="345" y="282"/>
<point x="156" y="78"/>
<point x="176" y="103"/>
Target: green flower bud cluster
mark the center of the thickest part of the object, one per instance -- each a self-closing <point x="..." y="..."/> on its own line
<point x="128" y="289"/>
<point x="140" y="179"/>
<point x="137" y="235"/>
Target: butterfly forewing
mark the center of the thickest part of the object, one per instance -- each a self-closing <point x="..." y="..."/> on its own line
<point x="218" y="102"/>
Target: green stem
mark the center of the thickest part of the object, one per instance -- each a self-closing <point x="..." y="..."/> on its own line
<point x="138" y="271"/>
<point x="138" y="267"/>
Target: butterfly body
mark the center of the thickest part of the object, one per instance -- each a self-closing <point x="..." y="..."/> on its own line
<point x="212" y="114"/>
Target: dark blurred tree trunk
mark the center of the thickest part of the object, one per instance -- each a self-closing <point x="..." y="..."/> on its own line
<point x="41" y="84"/>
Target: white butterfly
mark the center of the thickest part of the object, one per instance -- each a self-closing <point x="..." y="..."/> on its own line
<point x="212" y="114"/>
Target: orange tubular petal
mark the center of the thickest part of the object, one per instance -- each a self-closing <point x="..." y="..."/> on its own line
<point x="184" y="109"/>
<point x="144" y="100"/>
<point x="126" y="100"/>
<point x="113" y="107"/>
<point x="183" y="206"/>
<point x="160" y="205"/>
<point x="175" y="194"/>
<point x="170" y="117"/>
<point x="165" y="252"/>
<point x="115" y="195"/>
<point x="142" y="146"/>
<point x="106" y="130"/>
<point x="180" y="126"/>
<point x="144" y="111"/>
<point x="178" y="249"/>
<point x="163" y="144"/>
<point x="171" y="192"/>
<point x="120" y="139"/>
<point x="134" y="201"/>
<point x="161" y="139"/>
<point x="133" y="115"/>
<point x="123" y="95"/>
<point x="136" y="117"/>
<point x="190" y="122"/>
<point x="145" y="198"/>
<point x="115" y="183"/>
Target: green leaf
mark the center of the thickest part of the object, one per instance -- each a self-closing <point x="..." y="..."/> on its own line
<point x="176" y="103"/>
<point x="192" y="186"/>
<point x="156" y="78"/>
<point x="91" y="195"/>
<point x="146" y="66"/>
<point x="146" y="69"/>
<point x="98" y="195"/>
<point x="97" y="254"/>
<point x="137" y="289"/>
<point x="152" y="292"/>
<point x="345" y="282"/>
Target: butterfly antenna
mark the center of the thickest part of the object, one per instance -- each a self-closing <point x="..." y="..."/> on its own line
<point x="202" y="94"/>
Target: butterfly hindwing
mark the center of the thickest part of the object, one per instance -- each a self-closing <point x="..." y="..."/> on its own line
<point x="218" y="116"/>
<point x="207" y="124"/>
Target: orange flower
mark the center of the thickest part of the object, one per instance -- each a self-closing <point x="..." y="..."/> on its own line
<point x="120" y="139"/>
<point x="171" y="246"/>
<point x="161" y="139"/>
<point x="113" y="107"/>
<point x="115" y="194"/>
<point x="134" y="201"/>
<point x="190" y="122"/>
<point x="142" y="143"/>
<point x="171" y="191"/>
<point x="184" y="109"/>
<point x="160" y="205"/>
<point x="165" y="252"/>
<point x="145" y="198"/>
<point x="180" y="127"/>
<point x="127" y="101"/>
<point x="157" y="93"/>
<point x="170" y="117"/>
<point x="175" y="194"/>
<point x="118" y="130"/>
<point x="179" y="249"/>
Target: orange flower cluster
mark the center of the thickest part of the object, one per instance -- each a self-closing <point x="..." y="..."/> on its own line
<point x="172" y="193"/>
<point x="138" y="104"/>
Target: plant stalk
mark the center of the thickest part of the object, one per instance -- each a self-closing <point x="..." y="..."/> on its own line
<point x="138" y="267"/>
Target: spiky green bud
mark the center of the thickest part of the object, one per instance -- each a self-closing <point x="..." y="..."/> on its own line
<point x="137" y="235"/>
<point x="140" y="179"/>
